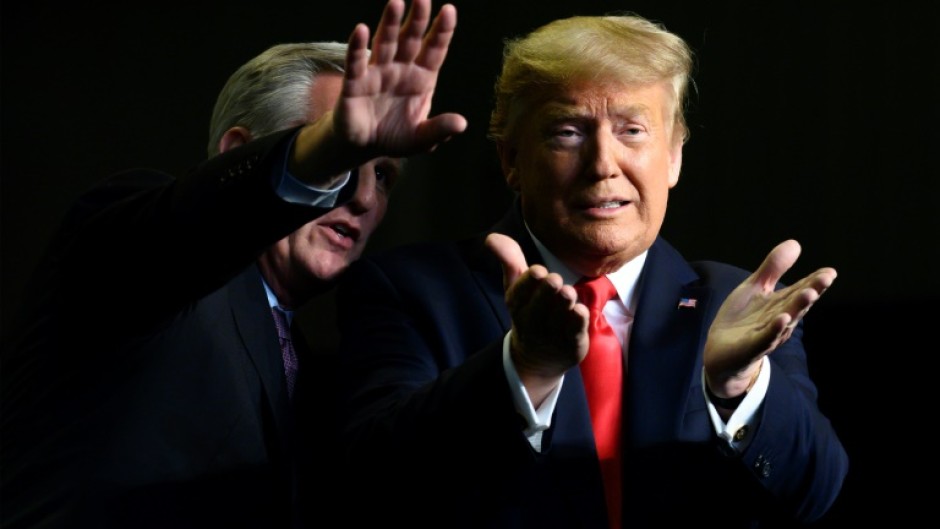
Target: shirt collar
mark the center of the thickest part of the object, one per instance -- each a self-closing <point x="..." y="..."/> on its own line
<point x="273" y="303"/>
<point x="624" y="279"/>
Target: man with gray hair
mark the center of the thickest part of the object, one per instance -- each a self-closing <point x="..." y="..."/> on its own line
<point x="156" y="382"/>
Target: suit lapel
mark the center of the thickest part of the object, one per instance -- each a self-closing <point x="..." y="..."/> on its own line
<point x="487" y="270"/>
<point x="256" y="328"/>
<point x="573" y="453"/>
<point x="665" y="344"/>
<point x="488" y="277"/>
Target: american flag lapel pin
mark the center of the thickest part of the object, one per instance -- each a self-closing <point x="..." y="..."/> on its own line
<point x="688" y="303"/>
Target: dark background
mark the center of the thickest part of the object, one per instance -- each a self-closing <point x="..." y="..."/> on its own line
<point x="815" y="121"/>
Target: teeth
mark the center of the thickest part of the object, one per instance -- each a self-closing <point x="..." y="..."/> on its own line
<point x="612" y="204"/>
<point x="340" y="230"/>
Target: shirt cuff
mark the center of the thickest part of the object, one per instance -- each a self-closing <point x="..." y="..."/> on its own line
<point x="537" y="421"/>
<point x="742" y="424"/>
<point x="290" y="189"/>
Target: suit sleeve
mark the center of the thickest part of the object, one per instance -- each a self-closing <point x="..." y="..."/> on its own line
<point x="795" y="453"/>
<point x="152" y="243"/>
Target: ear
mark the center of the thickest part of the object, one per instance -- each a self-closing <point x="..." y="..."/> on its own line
<point x="507" y="161"/>
<point x="234" y="137"/>
<point x="675" y="163"/>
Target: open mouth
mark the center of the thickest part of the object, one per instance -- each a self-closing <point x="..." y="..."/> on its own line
<point x="604" y="204"/>
<point x="341" y="230"/>
<point x="603" y="208"/>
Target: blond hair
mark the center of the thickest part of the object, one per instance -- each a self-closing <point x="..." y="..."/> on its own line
<point x="626" y="49"/>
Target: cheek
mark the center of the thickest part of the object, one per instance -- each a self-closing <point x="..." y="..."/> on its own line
<point x="304" y="234"/>
<point x="655" y="177"/>
<point x="282" y="249"/>
<point x="301" y="241"/>
<point x="549" y="176"/>
<point x="653" y="199"/>
<point x="371" y="220"/>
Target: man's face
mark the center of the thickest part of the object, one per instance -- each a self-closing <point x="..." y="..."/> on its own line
<point x="318" y="252"/>
<point x="593" y="165"/>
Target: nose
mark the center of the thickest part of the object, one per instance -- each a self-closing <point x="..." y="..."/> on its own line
<point x="605" y="158"/>
<point x="366" y="193"/>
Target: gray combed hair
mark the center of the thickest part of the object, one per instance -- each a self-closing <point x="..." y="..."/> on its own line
<point x="271" y="92"/>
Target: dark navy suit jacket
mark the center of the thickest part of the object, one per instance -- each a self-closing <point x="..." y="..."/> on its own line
<point x="147" y="387"/>
<point x="435" y="440"/>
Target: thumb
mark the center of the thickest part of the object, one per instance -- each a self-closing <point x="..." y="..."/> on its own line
<point x="777" y="262"/>
<point x="509" y="253"/>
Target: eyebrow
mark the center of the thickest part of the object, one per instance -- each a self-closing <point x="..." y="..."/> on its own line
<point x="561" y="111"/>
<point x="390" y="160"/>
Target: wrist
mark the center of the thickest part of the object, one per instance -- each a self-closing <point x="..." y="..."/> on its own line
<point x="730" y="403"/>
<point x="742" y="384"/>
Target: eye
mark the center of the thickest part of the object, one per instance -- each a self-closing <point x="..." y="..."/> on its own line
<point x="565" y="135"/>
<point x="633" y="131"/>
<point x="630" y="128"/>
<point x="386" y="174"/>
<point x="566" y="132"/>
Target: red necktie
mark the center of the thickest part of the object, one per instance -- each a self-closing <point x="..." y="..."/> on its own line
<point x="602" y="371"/>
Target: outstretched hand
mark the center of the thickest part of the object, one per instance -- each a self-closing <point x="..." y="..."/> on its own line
<point x="755" y="319"/>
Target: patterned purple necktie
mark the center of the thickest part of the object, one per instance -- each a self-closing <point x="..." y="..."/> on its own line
<point x="287" y="349"/>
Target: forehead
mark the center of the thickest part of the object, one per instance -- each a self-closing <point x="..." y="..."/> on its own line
<point x="324" y="93"/>
<point x="624" y="101"/>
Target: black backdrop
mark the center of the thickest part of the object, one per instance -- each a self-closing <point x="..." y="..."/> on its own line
<point x="811" y="120"/>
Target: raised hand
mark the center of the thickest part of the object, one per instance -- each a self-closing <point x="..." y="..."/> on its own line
<point x="387" y="94"/>
<point x="549" y="326"/>
<point x="755" y="319"/>
<point x="385" y="103"/>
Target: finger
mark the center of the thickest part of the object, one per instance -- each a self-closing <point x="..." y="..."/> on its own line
<point x="800" y="304"/>
<point x="824" y="278"/>
<point x="510" y="256"/>
<point x="554" y="282"/>
<point x="357" y="52"/>
<point x="584" y="315"/>
<point x="550" y="296"/>
<point x="569" y="293"/>
<point x="437" y="41"/>
<point x="385" y="42"/>
<point x="774" y="333"/>
<point x="777" y="262"/>
<point x="810" y="288"/>
<point x="438" y="129"/>
<point x="412" y="32"/>
<point x="520" y="292"/>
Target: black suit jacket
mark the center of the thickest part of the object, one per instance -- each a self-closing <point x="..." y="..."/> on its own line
<point x="433" y="428"/>
<point x="146" y="388"/>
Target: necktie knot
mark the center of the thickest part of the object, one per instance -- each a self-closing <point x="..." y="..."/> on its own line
<point x="595" y="292"/>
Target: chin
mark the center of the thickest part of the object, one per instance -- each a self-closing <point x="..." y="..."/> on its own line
<point x="328" y="270"/>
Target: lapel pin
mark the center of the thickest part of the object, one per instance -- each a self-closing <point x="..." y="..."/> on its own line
<point x="688" y="303"/>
